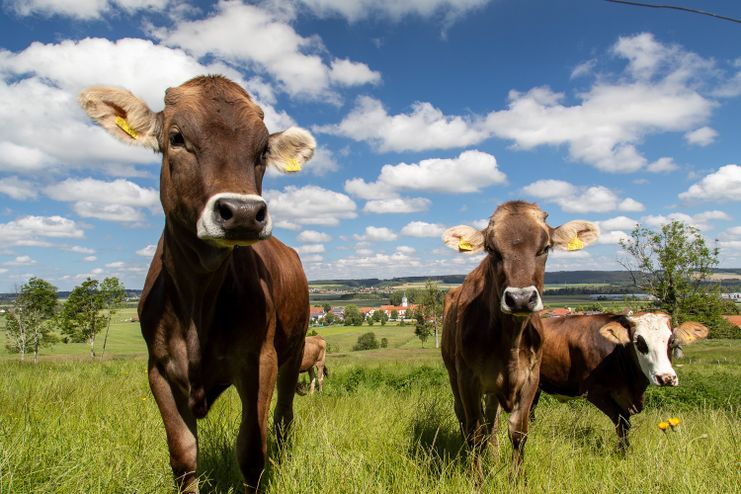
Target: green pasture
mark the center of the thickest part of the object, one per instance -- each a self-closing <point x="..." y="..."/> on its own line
<point x="384" y="424"/>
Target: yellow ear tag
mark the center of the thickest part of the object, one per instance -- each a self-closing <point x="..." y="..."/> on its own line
<point x="293" y="166"/>
<point x="464" y="245"/>
<point x="575" y="244"/>
<point x="124" y="125"/>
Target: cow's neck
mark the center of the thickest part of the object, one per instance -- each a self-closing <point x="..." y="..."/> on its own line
<point x="197" y="269"/>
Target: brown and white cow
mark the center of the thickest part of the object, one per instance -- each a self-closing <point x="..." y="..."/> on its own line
<point x="224" y="303"/>
<point x="492" y="336"/>
<point x="315" y="355"/>
<point x="611" y="359"/>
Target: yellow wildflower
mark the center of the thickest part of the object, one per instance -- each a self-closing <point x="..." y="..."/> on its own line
<point x="674" y="422"/>
<point x="663" y="426"/>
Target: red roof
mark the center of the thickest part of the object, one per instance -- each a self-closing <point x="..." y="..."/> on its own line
<point x="734" y="320"/>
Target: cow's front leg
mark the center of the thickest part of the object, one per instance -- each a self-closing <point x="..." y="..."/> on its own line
<point x="180" y="426"/>
<point x="519" y="421"/>
<point x="491" y="413"/>
<point x="287" y="379"/>
<point x="619" y="417"/>
<point x="312" y="380"/>
<point x="474" y="427"/>
<point x="255" y="387"/>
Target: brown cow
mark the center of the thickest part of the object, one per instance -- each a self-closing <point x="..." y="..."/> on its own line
<point x="224" y="302"/>
<point x="315" y="353"/>
<point x="492" y="337"/>
<point x="611" y="359"/>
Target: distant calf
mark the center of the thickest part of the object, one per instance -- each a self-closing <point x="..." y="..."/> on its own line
<point x="315" y="353"/>
<point x="611" y="360"/>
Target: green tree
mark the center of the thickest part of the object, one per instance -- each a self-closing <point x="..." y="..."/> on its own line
<point x="29" y="321"/>
<point x="430" y="308"/>
<point x="326" y="308"/>
<point x="353" y="317"/>
<point x="394" y="314"/>
<point x="112" y="294"/>
<point x="89" y="309"/>
<point x="423" y="328"/>
<point x="366" y="341"/>
<point x="329" y="319"/>
<point x="674" y="265"/>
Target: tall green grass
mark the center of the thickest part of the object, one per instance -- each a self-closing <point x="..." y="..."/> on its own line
<point x="384" y="424"/>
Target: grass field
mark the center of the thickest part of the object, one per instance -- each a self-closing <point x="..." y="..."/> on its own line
<point x="384" y="424"/>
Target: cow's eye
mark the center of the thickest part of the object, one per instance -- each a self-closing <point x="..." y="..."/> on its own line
<point x="641" y="344"/>
<point x="177" y="139"/>
<point x="264" y="155"/>
<point x="544" y="251"/>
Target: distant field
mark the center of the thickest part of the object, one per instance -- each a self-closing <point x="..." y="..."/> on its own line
<point x="384" y="424"/>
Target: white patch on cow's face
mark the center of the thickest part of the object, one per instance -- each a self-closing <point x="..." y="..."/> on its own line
<point x="651" y="343"/>
<point x="210" y="229"/>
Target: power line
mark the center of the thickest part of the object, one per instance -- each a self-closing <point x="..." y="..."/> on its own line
<point x="676" y="7"/>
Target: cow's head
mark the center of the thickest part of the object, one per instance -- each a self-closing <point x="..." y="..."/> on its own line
<point x="652" y="338"/>
<point x="215" y="149"/>
<point x="518" y="240"/>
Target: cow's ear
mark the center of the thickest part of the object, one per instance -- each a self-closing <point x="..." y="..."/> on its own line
<point x="689" y="332"/>
<point x="615" y="332"/>
<point x="122" y="114"/>
<point x="575" y="235"/>
<point x="290" y="149"/>
<point x="463" y="239"/>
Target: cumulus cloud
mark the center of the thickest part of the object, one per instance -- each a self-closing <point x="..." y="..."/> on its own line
<point x="118" y="200"/>
<point x="722" y="185"/>
<point x="699" y="220"/>
<point x="313" y="237"/>
<point x="422" y="229"/>
<point x="662" y="165"/>
<point x="578" y="199"/>
<point x="309" y="205"/>
<point x="704" y="136"/>
<point x="36" y="230"/>
<point x="147" y="251"/>
<point x="21" y="261"/>
<point x="355" y="10"/>
<point x="17" y="188"/>
<point x="397" y="205"/>
<point x="81" y="9"/>
<point x="236" y="32"/>
<point x="425" y="128"/>
<point x="376" y="234"/>
<point x="310" y="249"/>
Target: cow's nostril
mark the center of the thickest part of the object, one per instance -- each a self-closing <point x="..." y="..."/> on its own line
<point x="261" y="213"/>
<point x="533" y="297"/>
<point x="225" y="212"/>
<point x="509" y="300"/>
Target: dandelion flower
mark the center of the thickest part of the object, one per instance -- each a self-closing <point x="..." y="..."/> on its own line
<point x="663" y="426"/>
<point x="674" y="421"/>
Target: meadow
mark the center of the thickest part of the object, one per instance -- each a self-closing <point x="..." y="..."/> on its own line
<point x="383" y="424"/>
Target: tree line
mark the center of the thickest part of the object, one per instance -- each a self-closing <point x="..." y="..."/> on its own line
<point x="35" y="318"/>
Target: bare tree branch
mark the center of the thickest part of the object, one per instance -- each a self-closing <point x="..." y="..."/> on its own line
<point x="676" y="7"/>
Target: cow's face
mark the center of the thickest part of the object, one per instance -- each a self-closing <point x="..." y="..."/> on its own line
<point x="215" y="150"/>
<point x="652" y="339"/>
<point x="518" y="241"/>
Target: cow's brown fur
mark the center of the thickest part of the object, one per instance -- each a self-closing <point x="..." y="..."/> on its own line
<point x="315" y="354"/>
<point x="488" y="352"/>
<point x="215" y="316"/>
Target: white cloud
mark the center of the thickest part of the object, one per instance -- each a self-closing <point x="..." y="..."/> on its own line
<point x="699" y="220"/>
<point x="31" y="230"/>
<point x="704" y="136"/>
<point x="147" y="251"/>
<point x="618" y="223"/>
<point x="313" y="237"/>
<point x="78" y="249"/>
<point x="662" y="165"/>
<point x="577" y="199"/>
<point x="237" y="33"/>
<point x="310" y="249"/>
<point x="82" y="9"/>
<point x="722" y="185"/>
<point x="422" y="229"/>
<point x="17" y="189"/>
<point x="376" y="234"/>
<point x="734" y="231"/>
<point x="425" y="128"/>
<point x="369" y="190"/>
<point x="115" y="265"/>
<point x="355" y="10"/>
<point x="21" y="261"/>
<point x="398" y="205"/>
<point x="584" y="68"/>
<point x="309" y="205"/>
<point x="90" y="259"/>
<point x="405" y="249"/>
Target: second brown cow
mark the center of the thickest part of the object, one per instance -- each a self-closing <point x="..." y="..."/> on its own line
<point x="492" y="335"/>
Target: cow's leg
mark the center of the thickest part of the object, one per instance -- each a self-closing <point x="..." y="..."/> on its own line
<point x="491" y="413"/>
<point x="320" y="376"/>
<point x="474" y="428"/>
<point x="457" y="405"/>
<point x="287" y="379"/>
<point x="180" y="426"/>
<point x="619" y="417"/>
<point x="312" y="380"/>
<point x="255" y="387"/>
<point x="519" y="421"/>
<point x="535" y="404"/>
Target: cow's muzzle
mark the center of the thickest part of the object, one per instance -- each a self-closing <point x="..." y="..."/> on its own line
<point x="666" y="379"/>
<point x="230" y="219"/>
<point x="521" y="301"/>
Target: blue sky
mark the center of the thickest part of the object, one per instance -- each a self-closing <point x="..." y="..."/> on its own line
<point x="427" y="114"/>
